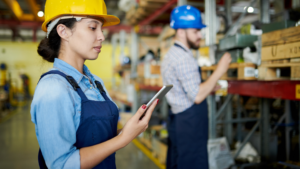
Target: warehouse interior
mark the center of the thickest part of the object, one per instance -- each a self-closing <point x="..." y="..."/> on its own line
<point x="253" y="118"/>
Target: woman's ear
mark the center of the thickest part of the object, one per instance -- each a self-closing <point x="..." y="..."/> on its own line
<point x="63" y="31"/>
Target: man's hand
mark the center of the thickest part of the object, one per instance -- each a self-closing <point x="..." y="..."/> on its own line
<point x="217" y="87"/>
<point x="208" y="86"/>
<point x="223" y="64"/>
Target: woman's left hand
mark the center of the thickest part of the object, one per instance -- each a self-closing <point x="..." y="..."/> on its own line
<point x="135" y="126"/>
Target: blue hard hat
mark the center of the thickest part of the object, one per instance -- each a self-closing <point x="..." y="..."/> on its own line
<point x="186" y="16"/>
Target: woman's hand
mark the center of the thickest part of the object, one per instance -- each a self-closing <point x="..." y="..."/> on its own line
<point x="135" y="126"/>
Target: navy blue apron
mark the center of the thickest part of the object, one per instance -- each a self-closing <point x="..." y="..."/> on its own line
<point x="98" y="122"/>
<point x="188" y="136"/>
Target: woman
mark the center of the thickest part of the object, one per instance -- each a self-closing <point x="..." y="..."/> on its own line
<point x="75" y="119"/>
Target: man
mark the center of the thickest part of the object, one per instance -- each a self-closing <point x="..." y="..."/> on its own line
<point x="188" y="119"/>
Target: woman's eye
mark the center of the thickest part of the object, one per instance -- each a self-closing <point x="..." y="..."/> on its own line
<point x="93" y="28"/>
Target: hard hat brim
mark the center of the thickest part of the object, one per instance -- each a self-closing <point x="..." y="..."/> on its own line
<point x="109" y="20"/>
<point x="199" y="26"/>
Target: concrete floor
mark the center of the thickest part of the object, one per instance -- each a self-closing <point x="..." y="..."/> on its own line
<point x="19" y="146"/>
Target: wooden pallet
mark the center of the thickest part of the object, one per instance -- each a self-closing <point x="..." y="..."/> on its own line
<point x="236" y="71"/>
<point x="279" y="71"/>
<point x="283" y="61"/>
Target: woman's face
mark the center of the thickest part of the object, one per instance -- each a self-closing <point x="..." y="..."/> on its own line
<point x="87" y="37"/>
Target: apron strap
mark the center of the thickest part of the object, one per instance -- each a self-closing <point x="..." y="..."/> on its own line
<point x="200" y="71"/>
<point x="175" y="44"/>
<point x="71" y="80"/>
<point x="101" y="89"/>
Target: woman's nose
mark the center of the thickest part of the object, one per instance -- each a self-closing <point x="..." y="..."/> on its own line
<point x="101" y="36"/>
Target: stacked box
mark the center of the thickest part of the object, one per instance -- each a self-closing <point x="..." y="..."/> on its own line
<point x="280" y="55"/>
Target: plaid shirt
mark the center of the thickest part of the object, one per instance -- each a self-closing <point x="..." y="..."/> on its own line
<point x="180" y="68"/>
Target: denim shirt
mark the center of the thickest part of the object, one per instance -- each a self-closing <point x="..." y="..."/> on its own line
<point x="56" y="111"/>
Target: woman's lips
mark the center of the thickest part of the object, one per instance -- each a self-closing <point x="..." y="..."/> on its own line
<point x="98" y="48"/>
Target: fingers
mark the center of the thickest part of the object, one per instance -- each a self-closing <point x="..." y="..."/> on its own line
<point x="227" y="58"/>
<point x="227" y="55"/>
<point x="140" y="111"/>
<point x="150" y="110"/>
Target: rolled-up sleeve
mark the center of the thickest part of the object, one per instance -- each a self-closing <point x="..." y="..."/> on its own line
<point x="188" y="74"/>
<point x="53" y="113"/>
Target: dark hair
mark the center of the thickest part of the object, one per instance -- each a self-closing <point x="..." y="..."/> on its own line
<point x="49" y="47"/>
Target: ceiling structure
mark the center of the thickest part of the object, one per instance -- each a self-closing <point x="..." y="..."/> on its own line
<point x="23" y="14"/>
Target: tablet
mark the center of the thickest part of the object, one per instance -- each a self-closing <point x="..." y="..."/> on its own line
<point x="159" y="95"/>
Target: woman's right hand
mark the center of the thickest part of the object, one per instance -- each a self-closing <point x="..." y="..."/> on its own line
<point x="135" y="126"/>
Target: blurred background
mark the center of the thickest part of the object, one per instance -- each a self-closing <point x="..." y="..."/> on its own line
<point x="253" y="118"/>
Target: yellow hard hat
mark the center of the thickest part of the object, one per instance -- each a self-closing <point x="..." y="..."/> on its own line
<point x="94" y="8"/>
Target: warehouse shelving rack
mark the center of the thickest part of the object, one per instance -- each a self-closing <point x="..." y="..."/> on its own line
<point x="265" y="90"/>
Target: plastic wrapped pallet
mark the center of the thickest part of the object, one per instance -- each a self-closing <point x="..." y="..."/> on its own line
<point x="219" y="154"/>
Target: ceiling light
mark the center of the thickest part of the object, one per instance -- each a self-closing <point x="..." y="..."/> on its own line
<point x="250" y="9"/>
<point x="40" y="14"/>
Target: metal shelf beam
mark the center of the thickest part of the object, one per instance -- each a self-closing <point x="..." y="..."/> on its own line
<point x="289" y="90"/>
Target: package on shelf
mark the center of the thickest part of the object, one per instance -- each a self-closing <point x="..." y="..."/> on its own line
<point x="147" y="81"/>
<point x="204" y="51"/>
<point x="157" y="81"/>
<point x="280" y="55"/>
<point x="280" y="51"/>
<point x="148" y="70"/>
<point x="236" y="71"/>
<point x="219" y="153"/>
<point x="281" y="44"/>
<point x="151" y="71"/>
<point x="140" y="70"/>
<point x="155" y="69"/>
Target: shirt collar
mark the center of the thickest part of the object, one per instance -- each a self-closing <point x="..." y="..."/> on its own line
<point x="70" y="70"/>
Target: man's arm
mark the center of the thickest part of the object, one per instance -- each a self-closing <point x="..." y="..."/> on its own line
<point x="207" y="87"/>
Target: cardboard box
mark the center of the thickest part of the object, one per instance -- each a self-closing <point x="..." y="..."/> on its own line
<point x="283" y="51"/>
